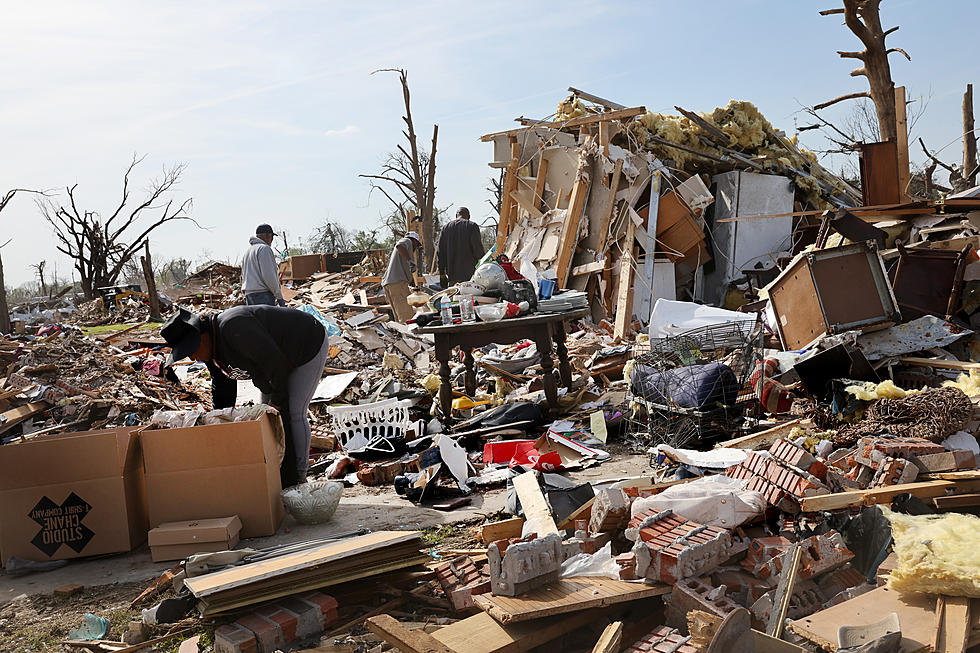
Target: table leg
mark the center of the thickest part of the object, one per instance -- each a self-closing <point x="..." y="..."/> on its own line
<point x="564" y="366"/>
<point x="469" y="379"/>
<point x="443" y="352"/>
<point x="542" y="338"/>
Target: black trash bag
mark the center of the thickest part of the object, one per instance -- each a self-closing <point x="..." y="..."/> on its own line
<point x="519" y="411"/>
<point x="912" y="505"/>
<point x="867" y="534"/>
<point x="691" y="386"/>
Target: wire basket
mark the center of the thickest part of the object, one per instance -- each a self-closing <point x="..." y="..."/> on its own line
<point x="694" y="386"/>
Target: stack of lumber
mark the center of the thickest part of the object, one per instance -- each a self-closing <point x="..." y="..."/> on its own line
<point x="320" y="566"/>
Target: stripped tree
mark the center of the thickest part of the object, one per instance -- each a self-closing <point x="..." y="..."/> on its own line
<point x="101" y="248"/>
<point x="4" y="310"/>
<point x="412" y="173"/>
<point x="862" y="18"/>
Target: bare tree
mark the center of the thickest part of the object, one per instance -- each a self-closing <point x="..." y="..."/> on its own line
<point x="101" y="248"/>
<point x="862" y="18"/>
<point x="39" y="271"/>
<point x="412" y="173"/>
<point x="4" y="310"/>
<point x="969" y="139"/>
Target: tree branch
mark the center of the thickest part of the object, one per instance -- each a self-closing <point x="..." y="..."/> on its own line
<point x="849" y="96"/>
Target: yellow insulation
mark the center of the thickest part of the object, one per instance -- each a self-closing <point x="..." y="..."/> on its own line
<point x="937" y="554"/>
<point x="968" y="383"/>
<point x="871" y="391"/>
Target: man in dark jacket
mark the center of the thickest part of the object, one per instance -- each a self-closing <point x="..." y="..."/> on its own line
<point x="460" y="249"/>
<point x="282" y="350"/>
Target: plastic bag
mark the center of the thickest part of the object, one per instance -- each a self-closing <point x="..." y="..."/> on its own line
<point x="712" y="500"/>
<point x="332" y="329"/>
<point x="600" y="563"/>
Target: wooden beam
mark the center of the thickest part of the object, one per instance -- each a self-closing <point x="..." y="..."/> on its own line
<point x="952" y="624"/>
<point x="534" y="504"/>
<point x="764" y="439"/>
<point x="933" y="362"/>
<point x="410" y="641"/>
<point x="957" y="501"/>
<point x="606" y="219"/>
<point x="855" y="498"/>
<point x="611" y="639"/>
<point x="588" y="268"/>
<point x="619" y="114"/>
<point x="15" y="416"/>
<point x="604" y="137"/>
<point x="624" y="299"/>
<point x="902" y="141"/>
<point x="609" y="104"/>
<point x="569" y="233"/>
<point x="784" y="590"/>
<point x="526" y="203"/>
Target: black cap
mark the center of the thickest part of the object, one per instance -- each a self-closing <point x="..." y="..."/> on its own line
<point x="183" y="333"/>
<point x="263" y="229"/>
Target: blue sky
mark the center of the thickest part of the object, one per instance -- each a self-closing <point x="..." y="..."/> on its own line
<point x="273" y="108"/>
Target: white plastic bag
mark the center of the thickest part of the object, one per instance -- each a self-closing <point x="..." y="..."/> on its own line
<point x="600" y="563"/>
<point x="711" y="500"/>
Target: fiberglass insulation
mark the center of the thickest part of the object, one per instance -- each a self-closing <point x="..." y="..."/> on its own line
<point x="937" y="554"/>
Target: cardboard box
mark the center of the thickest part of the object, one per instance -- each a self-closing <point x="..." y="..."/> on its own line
<point x="178" y="540"/>
<point x="210" y="472"/>
<point x="72" y="495"/>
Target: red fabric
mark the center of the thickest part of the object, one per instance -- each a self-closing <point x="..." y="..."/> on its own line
<point x="521" y="452"/>
<point x="508" y="267"/>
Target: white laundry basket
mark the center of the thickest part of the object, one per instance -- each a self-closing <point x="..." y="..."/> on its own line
<point x="370" y="425"/>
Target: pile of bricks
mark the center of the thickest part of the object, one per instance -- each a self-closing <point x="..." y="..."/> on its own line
<point x="610" y="511"/>
<point x="461" y="580"/>
<point x="663" y="639"/>
<point x="277" y="625"/>
<point x="786" y="471"/>
<point x="668" y="547"/>
<point x="820" y="553"/>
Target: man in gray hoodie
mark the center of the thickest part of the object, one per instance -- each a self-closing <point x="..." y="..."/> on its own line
<point x="260" y="274"/>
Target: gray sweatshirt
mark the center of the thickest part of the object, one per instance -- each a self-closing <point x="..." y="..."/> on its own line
<point x="259" y="270"/>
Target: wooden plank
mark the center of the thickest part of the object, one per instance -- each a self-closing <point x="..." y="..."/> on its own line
<point x="539" y="184"/>
<point x="506" y="201"/>
<point x="624" y="299"/>
<point x="482" y="633"/>
<point x="588" y="268"/>
<point x="609" y="104"/>
<point x="855" y="498"/>
<point x="604" y="137"/>
<point x="410" y="641"/>
<point x="649" y="242"/>
<point x="784" y="590"/>
<point x="957" y="501"/>
<point x="916" y="614"/>
<point x="916" y="361"/>
<point x="566" y="595"/>
<point x="611" y="639"/>
<point x="569" y="232"/>
<point x="15" y="416"/>
<point x="526" y="203"/>
<point x="902" y="141"/>
<point x="764" y="439"/>
<point x="952" y="624"/>
<point x="535" y="506"/>
<point x="619" y="114"/>
<point x="499" y="530"/>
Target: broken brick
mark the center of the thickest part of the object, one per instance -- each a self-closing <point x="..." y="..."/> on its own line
<point x="233" y="638"/>
<point x="663" y="639"/>
<point x="694" y="594"/>
<point x="522" y="566"/>
<point x="610" y="511"/>
<point x="669" y="547"/>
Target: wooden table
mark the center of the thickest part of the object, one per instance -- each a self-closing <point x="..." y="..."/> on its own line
<point x="541" y="328"/>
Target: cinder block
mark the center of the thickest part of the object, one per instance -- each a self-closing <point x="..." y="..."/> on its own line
<point x="610" y="511"/>
<point x="233" y="638"/>
<point x="947" y="461"/>
<point x="522" y="566"/>
<point x="894" y="471"/>
<point x="694" y="594"/>
<point x="805" y="600"/>
<point x="267" y="633"/>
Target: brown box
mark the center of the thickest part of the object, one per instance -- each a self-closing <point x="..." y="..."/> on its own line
<point x="178" y="540"/>
<point x="829" y="291"/>
<point x="209" y="472"/>
<point x="72" y="495"/>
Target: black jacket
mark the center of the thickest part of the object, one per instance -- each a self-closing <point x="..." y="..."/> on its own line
<point x="460" y="249"/>
<point x="267" y="342"/>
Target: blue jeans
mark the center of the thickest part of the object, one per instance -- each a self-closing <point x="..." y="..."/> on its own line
<point x="265" y="297"/>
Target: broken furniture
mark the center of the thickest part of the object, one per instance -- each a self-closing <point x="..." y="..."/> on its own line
<point x="541" y="328"/>
<point x="828" y="291"/>
<point x="929" y="281"/>
<point x="371" y="429"/>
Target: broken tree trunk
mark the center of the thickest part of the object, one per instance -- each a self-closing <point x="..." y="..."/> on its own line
<point x="151" y="284"/>
<point x="862" y="18"/>
<point x="969" y="139"/>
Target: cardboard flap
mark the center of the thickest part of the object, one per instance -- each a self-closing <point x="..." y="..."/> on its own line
<point x="84" y="456"/>
<point x="217" y="445"/>
<point x="189" y="532"/>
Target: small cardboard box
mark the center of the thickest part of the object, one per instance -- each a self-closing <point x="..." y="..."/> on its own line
<point x="72" y="495"/>
<point x="178" y="540"/>
<point x="210" y="472"/>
